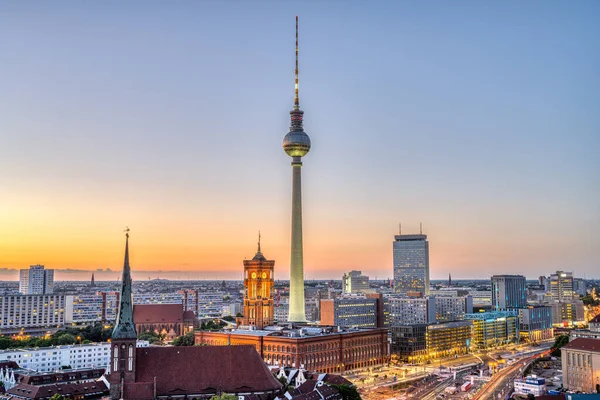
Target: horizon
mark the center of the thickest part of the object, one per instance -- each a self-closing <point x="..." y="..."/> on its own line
<point x="477" y="119"/>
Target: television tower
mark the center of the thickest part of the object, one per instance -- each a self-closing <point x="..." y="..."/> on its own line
<point x="296" y="144"/>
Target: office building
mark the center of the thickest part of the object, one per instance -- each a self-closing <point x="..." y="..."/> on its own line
<point x="409" y="311"/>
<point x="409" y="343"/>
<point x="258" y="291"/>
<point x="452" y="308"/>
<point x="579" y="287"/>
<point x="561" y="286"/>
<point x="494" y="329"/>
<point x="508" y="292"/>
<point x="581" y="365"/>
<point x="355" y="282"/>
<point x="296" y="144"/>
<point x="31" y="313"/>
<point x="449" y="339"/>
<point x="568" y="313"/>
<point x="36" y="280"/>
<point x="481" y="298"/>
<point x="535" y="323"/>
<point x="411" y="264"/>
<point x="351" y="311"/>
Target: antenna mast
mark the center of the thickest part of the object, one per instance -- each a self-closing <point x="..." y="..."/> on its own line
<point x="296" y="98"/>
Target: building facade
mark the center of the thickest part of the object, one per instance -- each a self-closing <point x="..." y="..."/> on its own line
<point x="449" y="339"/>
<point x="352" y="311"/>
<point x="84" y="308"/>
<point x="31" y="313"/>
<point x="258" y="291"/>
<point x="561" y="286"/>
<point x="409" y="343"/>
<point x="409" y="311"/>
<point x="535" y="323"/>
<point x="355" y="282"/>
<point x="323" y="349"/>
<point x="494" y="329"/>
<point x="411" y="264"/>
<point x="581" y="365"/>
<point x="568" y="313"/>
<point x="36" y="280"/>
<point x="452" y="308"/>
<point x="508" y="292"/>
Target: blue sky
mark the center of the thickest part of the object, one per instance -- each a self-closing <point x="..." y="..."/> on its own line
<point x="479" y="119"/>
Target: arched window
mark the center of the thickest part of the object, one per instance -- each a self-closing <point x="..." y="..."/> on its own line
<point x="116" y="359"/>
<point x="130" y="358"/>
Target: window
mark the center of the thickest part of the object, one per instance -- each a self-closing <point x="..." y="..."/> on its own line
<point x="116" y="359"/>
<point x="130" y="358"/>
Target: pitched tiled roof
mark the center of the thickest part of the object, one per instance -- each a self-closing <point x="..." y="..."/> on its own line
<point x="204" y="370"/>
<point x="61" y="377"/>
<point x="9" y="364"/>
<point x="596" y="319"/>
<point x="584" y="344"/>
<point x="66" y="389"/>
<point x="158" y="313"/>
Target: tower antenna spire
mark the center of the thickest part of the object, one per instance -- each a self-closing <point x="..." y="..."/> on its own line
<point x="296" y="98"/>
<point x="259" y="241"/>
<point x="421" y="227"/>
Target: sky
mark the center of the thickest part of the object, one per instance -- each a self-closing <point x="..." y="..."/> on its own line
<point x="479" y="120"/>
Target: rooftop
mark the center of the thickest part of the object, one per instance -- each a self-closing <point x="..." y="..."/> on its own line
<point x="585" y="344"/>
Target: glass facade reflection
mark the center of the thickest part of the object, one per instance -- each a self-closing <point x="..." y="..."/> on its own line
<point x="411" y="264"/>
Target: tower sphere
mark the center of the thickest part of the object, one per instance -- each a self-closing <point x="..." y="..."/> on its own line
<point x="296" y="144"/>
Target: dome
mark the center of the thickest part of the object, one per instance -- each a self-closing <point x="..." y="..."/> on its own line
<point x="296" y="144"/>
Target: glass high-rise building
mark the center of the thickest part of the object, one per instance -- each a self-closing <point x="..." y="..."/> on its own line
<point x="508" y="292"/>
<point x="411" y="264"/>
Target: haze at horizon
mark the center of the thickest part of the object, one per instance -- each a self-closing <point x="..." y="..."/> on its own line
<point x="477" y="119"/>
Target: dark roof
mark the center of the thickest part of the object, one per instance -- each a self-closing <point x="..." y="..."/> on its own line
<point x="313" y="390"/>
<point x="70" y="390"/>
<point x="53" y="377"/>
<point x="158" y="313"/>
<point x="9" y="364"/>
<point x="204" y="370"/>
<point x="189" y="315"/>
<point x="586" y="344"/>
<point x="551" y="397"/>
<point x="259" y="257"/>
<point x="596" y="319"/>
<point x="330" y="379"/>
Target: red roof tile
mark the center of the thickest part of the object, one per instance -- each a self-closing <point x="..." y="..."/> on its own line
<point x="189" y="315"/>
<point x="586" y="344"/>
<point x="66" y="389"/>
<point x="157" y="313"/>
<point x="204" y="370"/>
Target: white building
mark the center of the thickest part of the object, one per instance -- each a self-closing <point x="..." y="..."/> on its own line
<point x="84" y="308"/>
<point x="481" y="298"/>
<point x="355" y="282"/>
<point x="36" y="280"/>
<point x="76" y="356"/>
<point x="19" y="312"/>
<point x="411" y="310"/>
<point x="532" y="384"/>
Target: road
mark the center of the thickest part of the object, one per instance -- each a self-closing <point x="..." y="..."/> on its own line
<point x="502" y="382"/>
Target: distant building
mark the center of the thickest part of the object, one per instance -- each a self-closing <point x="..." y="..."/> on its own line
<point x="48" y="359"/>
<point x="86" y="308"/>
<point x="411" y="264"/>
<point x="164" y="319"/>
<point x="568" y="313"/>
<point x="409" y="311"/>
<point x="409" y="342"/>
<point x="355" y="311"/>
<point x="592" y="333"/>
<point x="561" y="286"/>
<point x="508" y="292"/>
<point x="581" y="365"/>
<point x="452" y="308"/>
<point x="36" y="280"/>
<point x="535" y="323"/>
<point x="31" y="313"/>
<point x="494" y="329"/>
<point x="355" y="282"/>
<point x="579" y="287"/>
<point x="481" y="298"/>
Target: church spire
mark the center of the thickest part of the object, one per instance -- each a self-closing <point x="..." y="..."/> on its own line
<point x="124" y="326"/>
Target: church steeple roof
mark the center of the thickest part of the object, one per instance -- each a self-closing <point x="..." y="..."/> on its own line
<point x="124" y="326"/>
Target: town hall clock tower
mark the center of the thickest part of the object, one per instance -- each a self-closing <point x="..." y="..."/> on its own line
<point x="258" y="291"/>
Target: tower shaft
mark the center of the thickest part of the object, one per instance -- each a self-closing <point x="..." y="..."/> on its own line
<point x="296" y="312"/>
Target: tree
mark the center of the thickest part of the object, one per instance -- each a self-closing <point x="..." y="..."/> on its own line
<point x="530" y="396"/>
<point x="185" y="340"/>
<point x="224" y="396"/>
<point x="5" y="342"/>
<point x="348" y="392"/>
<point x="66" y="338"/>
<point x="229" y="318"/>
<point x="57" y="396"/>
<point x="559" y="342"/>
<point x="283" y="381"/>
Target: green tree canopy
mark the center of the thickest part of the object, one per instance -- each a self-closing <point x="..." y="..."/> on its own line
<point x="224" y="396"/>
<point x="185" y="340"/>
<point x="348" y="392"/>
